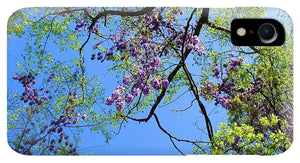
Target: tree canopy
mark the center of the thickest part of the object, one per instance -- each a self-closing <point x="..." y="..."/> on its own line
<point x="153" y="58"/>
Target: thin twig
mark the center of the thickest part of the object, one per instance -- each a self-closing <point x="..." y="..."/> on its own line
<point x="174" y="99"/>
<point x="213" y="25"/>
<point x="183" y="110"/>
<point x="176" y="147"/>
<point x="173" y="137"/>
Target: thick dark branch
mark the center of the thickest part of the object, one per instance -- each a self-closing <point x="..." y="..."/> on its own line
<point x="202" y="107"/>
<point x="94" y="20"/>
<point x="87" y="13"/>
<point x="245" y="52"/>
<point x="203" y="19"/>
<point x="120" y="13"/>
<point x="213" y="25"/>
<point x="103" y="14"/>
<point x="126" y="13"/>
<point x="159" y="98"/>
<point x="186" y="30"/>
<point x="82" y="46"/>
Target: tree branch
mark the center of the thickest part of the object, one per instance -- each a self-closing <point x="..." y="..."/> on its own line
<point x="203" y="19"/>
<point x="120" y="13"/>
<point x="175" y="99"/>
<point x="173" y="137"/>
<point x="185" y="109"/>
<point x="82" y="68"/>
<point x="202" y="107"/>
<point x="176" y="147"/>
<point x="186" y="30"/>
<point x="213" y="25"/>
<point x="94" y="20"/>
<point x="223" y="29"/>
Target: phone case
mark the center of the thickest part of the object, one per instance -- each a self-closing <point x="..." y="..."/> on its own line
<point x="146" y="81"/>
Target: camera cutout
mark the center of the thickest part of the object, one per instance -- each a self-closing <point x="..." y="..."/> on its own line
<point x="257" y="32"/>
<point x="267" y="33"/>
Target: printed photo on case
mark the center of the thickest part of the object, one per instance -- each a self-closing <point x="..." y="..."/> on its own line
<point x="146" y="81"/>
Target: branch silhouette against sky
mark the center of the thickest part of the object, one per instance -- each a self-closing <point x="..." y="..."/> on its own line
<point x="152" y="80"/>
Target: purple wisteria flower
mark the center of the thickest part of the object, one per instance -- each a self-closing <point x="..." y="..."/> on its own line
<point x="287" y="108"/>
<point x="121" y="89"/>
<point x="135" y="91"/>
<point x="115" y="94"/>
<point x="127" y="80"/>
<point x="156" y="61"/>
<point x="129" y="97"/>
<point x="195" y="39"/>
<point x="155" y="83"/>
<point x="199" y="48"/>
<point x="165" y="83"/>
<point x="225" y="102"/>
<point x="216" y="72"/>
<point x="83" y="117"/>
<point x="120" y="104"/>
<point x="209" y="86"/>
<point x="234" y="63"/>
<point x="141" y="73"/>
<point x="109" y="100"/>
<point x="291" y="65"/>
<point x="189" y="46"/>
<point x="215" y="94"/>
<point x="146" y="90"/>
<point x="148" y="18"/>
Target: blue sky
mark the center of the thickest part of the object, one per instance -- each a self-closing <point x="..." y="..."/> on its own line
<point x="136" y="138"/>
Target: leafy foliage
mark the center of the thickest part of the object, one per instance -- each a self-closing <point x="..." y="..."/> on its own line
<point x="151" y="52"/>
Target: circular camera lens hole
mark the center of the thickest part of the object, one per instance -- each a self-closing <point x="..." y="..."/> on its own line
<point x="267" y="33"/>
